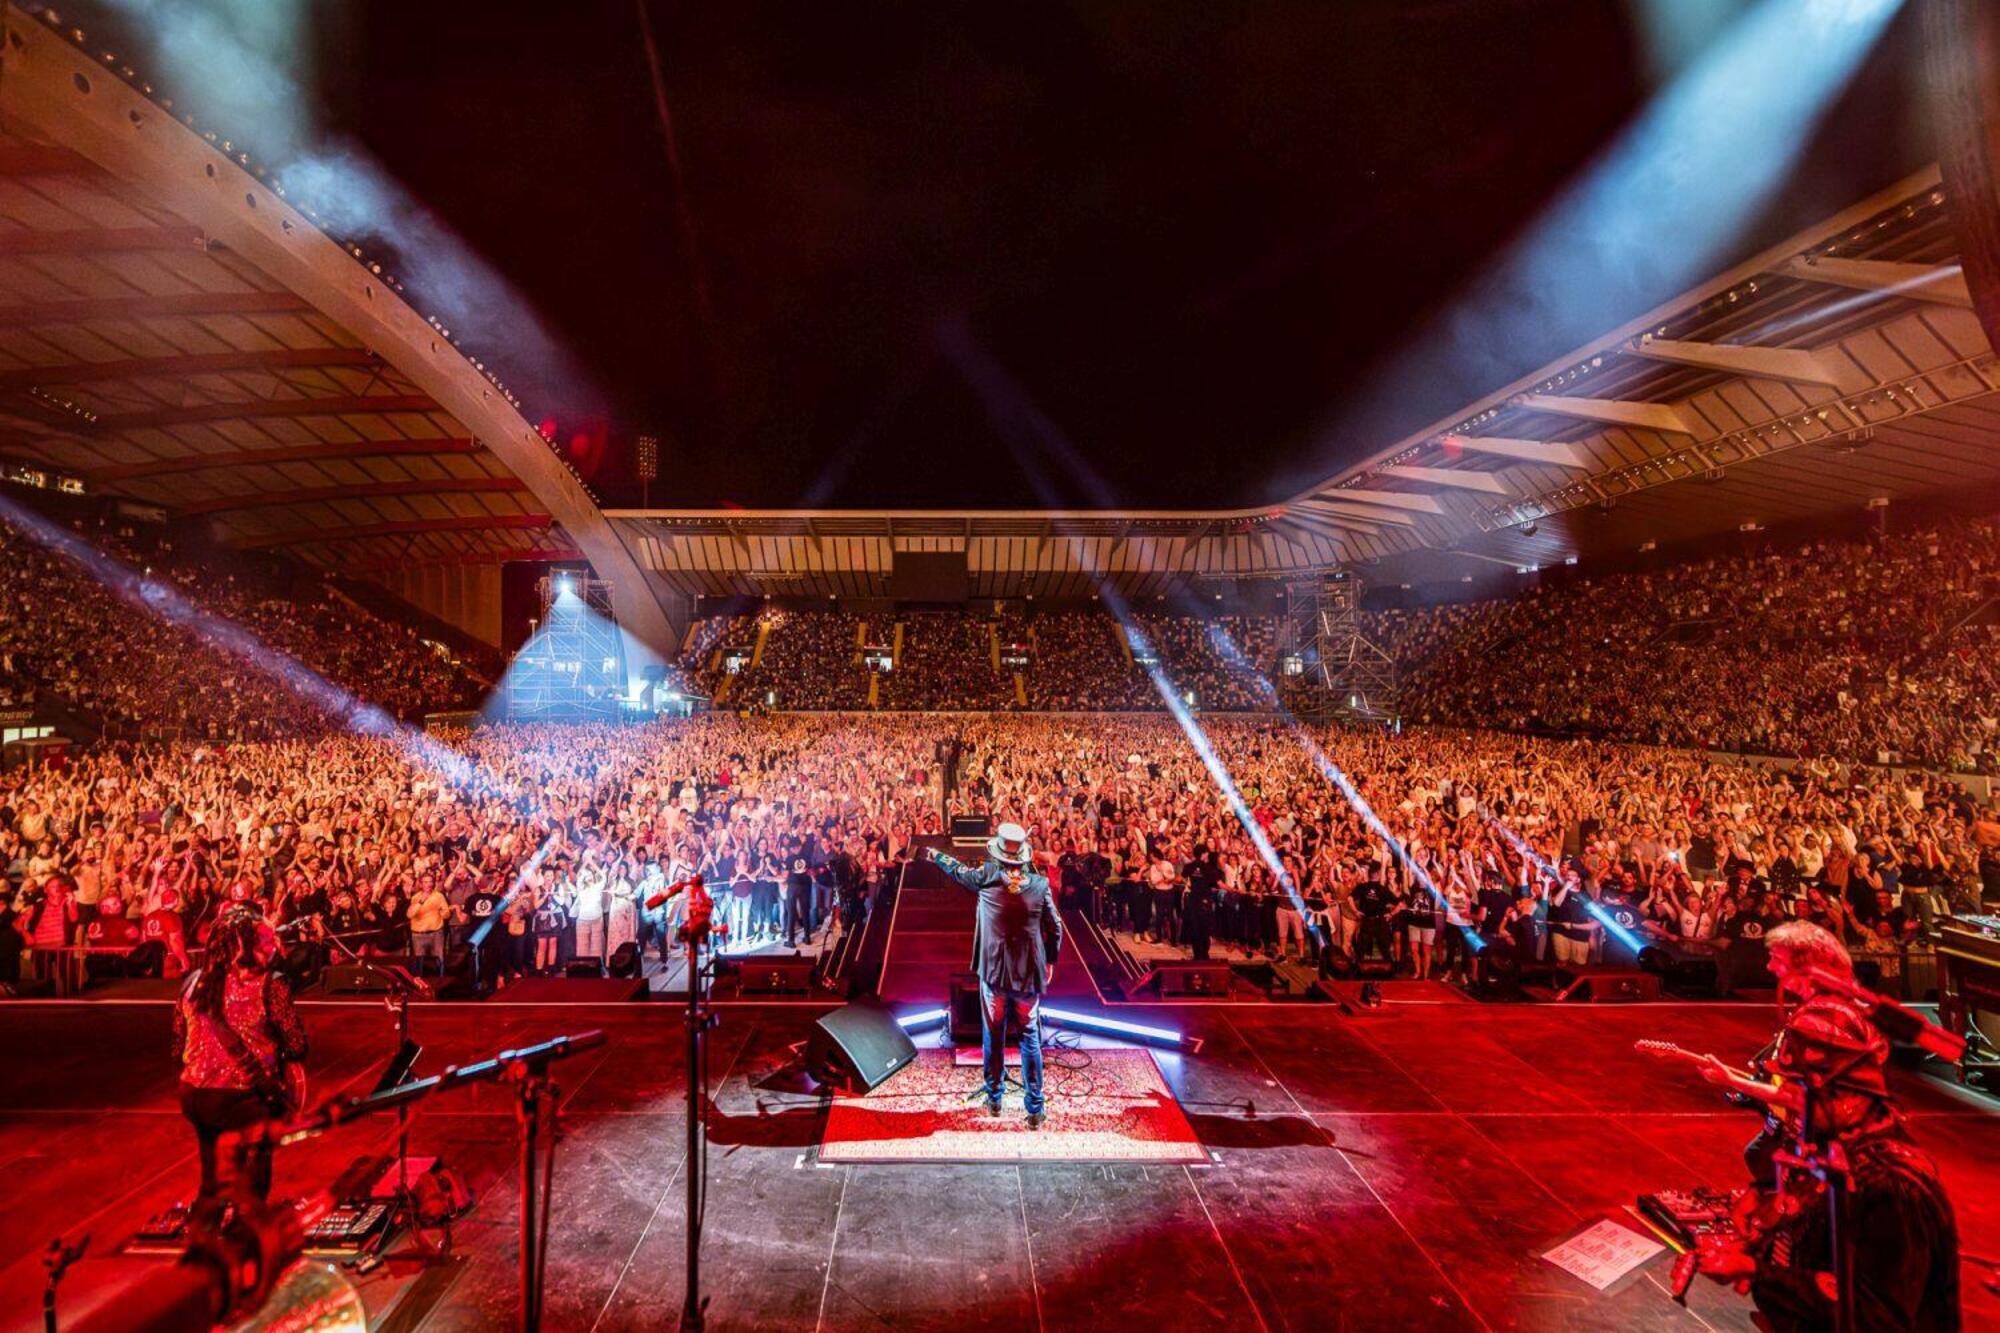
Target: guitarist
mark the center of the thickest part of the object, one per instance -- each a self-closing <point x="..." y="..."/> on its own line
<point x="240" y="1045"/>
<point x="1906" y="1266"/>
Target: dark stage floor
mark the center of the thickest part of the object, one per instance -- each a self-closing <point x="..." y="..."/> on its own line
<point x="1394" y="1171"/>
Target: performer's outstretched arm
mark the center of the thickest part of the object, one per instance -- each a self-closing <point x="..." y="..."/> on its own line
<point x="965" y="876"/>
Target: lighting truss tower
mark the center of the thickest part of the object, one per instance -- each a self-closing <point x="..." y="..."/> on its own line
<point x="1336" y="670"/>
<point x="572" y="668"/>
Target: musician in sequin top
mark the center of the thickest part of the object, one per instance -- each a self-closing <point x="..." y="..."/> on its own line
<point x="238" y="1039"/>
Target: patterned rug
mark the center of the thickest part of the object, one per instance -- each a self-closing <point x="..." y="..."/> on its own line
<point x="1104" y="1105"/>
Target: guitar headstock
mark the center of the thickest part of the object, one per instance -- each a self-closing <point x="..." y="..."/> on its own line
<point x="1648" y="1046"/>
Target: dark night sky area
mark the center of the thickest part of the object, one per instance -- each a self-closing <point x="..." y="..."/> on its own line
<point x="1186" y="234"/>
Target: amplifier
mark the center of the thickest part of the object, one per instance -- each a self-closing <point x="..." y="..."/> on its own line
<point x="1194" y="978"/>
<point x="1611" y="985"/>
<point x="369" y="979"/>
<point x="962" y="1002"/>
<point x="777" y="975"/>
<point x="967" y="830"/>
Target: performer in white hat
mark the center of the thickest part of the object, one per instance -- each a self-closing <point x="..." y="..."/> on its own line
<point x="1014" y="949"/>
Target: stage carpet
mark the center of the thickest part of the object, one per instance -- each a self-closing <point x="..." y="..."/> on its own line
<point x="1105" y="1105"/>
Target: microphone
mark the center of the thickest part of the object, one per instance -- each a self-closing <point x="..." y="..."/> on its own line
<point x="660" y="899"/>
<point x="1897" y="1020"/>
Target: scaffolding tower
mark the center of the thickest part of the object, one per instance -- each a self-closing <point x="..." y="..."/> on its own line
<point x="572" y="668"/>
<point x="1335" y="669"/>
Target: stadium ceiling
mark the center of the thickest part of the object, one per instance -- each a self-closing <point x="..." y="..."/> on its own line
<point x="173" y="330"/>
<point x="1843" y="366"/>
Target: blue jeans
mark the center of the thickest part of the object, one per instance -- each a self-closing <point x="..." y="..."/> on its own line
<point x="996" y="1009"/>
<point x="427" y="944"/>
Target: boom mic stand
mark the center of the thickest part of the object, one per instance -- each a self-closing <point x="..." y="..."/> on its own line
<point x="699" y="929"/>
<point x="228" y="1271"/>
<point x="400" y="985"/>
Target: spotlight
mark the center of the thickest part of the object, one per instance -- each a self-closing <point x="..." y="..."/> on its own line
<point x="1530" y="529"/>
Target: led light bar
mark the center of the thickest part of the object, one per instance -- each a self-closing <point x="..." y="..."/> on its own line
<point x="1099" y="1023"/>
<point x="923" y="1018"/>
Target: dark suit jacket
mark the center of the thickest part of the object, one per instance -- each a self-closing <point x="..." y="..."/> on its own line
<point x="1018" y="934"/>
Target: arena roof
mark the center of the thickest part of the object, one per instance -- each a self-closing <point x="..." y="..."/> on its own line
<point x="1840" y="367"/>
<point x="173" y="329"/>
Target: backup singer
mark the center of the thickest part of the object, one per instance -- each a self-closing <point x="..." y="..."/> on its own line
<point x="239" y="1042"/>
<point x="1906" y="1255"/>
<point x="1014" y="947"/>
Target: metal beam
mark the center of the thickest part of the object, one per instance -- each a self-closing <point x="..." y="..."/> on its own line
<point x="1549" y="453"/>
<point x="226" y="504"/>
<point x="1369" y="517"/>
<point x="1942" y="284"/>
<point x="188" y="304"/>
<point x="196" y="363"/>
<point x="100" y="240"/>
<point x="399" y="528"/>
<point x="1464" y="480"/>
<point x="295" y="453"/>
<point x="1422" y="504"/>
<point x="1610" y="412"/>
<point x="333" y="406"/>
<point x="498" y="555"/>
<point x="21" y="158"/>
<point x="1792" y="364"/>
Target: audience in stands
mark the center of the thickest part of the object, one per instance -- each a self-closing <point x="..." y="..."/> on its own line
<point x="1885" y="650"/>
<point x="222" y="780"/>
<point x="116" y="654"/>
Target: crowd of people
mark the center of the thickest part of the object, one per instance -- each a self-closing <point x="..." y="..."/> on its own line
<point x="1883" y="650"/>
<point x="1551" y="782"/>
<point x="1872" y="649"/>
<point x="131" y="643"/>
<point x="1401" y="845"/>
<point x="546" y="842"/>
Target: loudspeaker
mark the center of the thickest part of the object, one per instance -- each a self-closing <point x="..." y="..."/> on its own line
<point x="969" y="829"/>
<point x="1194" y="978"/>
<point x="1684" y="968"/>
<point x="584" y="967"/>
<point x="775" y="975"/>
<point x="1612" y="985"/>
<point x="963" y="1005"/>
<point x="625" y="960"/>
<point x="857" y="1046"/>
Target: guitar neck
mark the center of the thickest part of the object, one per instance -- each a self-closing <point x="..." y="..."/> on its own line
<point x="1666" y="1050"/>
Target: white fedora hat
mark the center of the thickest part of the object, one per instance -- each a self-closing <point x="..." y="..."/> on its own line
<point x="1009" y="845"/>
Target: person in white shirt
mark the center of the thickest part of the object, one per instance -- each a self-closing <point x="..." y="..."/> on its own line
<point x="591" y="901"/>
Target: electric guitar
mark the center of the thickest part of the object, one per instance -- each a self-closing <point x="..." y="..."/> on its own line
<point x="1774" y="1095"/>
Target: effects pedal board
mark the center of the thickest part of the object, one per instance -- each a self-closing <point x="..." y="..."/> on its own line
<point x="1688" y="1215"/>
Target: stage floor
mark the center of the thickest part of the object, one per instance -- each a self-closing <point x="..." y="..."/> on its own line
<point x="1402" y="1170"/>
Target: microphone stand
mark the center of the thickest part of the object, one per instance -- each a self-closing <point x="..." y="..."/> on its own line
<point x="399" y="984"/>
<point x="700" y="1017"/>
